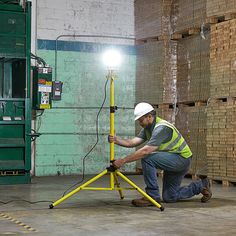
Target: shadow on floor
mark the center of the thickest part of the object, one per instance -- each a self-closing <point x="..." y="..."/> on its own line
<point x="192" y="203"/>
<point x="196" y="203"/>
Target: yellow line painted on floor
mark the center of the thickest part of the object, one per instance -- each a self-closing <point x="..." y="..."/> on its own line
<point x="7" y="217"/>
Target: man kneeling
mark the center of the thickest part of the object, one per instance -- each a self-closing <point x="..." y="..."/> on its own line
<point x="166" y="150"/>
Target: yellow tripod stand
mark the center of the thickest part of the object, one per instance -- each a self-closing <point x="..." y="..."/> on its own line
<point x="113" y="172"/>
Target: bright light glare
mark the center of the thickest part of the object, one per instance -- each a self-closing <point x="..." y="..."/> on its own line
<point x="112" y="59"/>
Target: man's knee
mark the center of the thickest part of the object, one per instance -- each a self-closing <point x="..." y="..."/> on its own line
<point x="147" y="159"/>
<point x="144" y="161"/>
<point x="169" y="197"/>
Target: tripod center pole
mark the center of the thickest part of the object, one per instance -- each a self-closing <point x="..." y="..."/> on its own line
<point x="112" y="113"/>
<point x="112" y="122"/>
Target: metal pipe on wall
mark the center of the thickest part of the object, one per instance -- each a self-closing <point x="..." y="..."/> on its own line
<point x="82" y="36"/>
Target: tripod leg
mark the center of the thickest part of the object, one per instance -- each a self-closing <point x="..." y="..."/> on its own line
<point x="118" y="185"/>
<point x="140" y="190"/>
<point x="78" y="189"/>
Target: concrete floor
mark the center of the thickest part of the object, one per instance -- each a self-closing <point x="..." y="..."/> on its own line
<point x="103" y="213"/>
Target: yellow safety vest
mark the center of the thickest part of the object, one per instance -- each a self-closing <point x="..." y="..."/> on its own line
<point x="177" y="144"/>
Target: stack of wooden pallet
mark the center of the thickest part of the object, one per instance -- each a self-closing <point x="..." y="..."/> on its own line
<point x="220" y="7"/>
<point x="156" y="57"/>
<point x="231" y="140"/>
<point x="152" y="18"/>
<point x="223" y="59"/>
<point x="166" y="112"/>
<point x="187" y="72"/>
<point x="193" y="68"/>
<point x="217" y="137"/>
<point x="157" y="80"/>
<point x="221" y="126"/>
<point x="191" y="122"/>
<point x="187" y="15"/>
<point x="156" y="72"/>
<point x="193" y="79"/>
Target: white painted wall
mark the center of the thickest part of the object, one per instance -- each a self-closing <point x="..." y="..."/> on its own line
<point x="33" y="25"/>
<point x="90" y="17"/>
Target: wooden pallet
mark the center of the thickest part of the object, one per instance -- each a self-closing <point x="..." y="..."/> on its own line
<point x="191" y="176"/>
<point x="192" y="103"/>
<point x="231" y="100"/>
<point x="194" y="176"/>
<point x="165" y="106"/>
<point x="214" y="180"/>
<point x="224" y="182"/>
<point x="218" y="19"/>
<point x="185" y="33"/>
<point x="152" y="39"/>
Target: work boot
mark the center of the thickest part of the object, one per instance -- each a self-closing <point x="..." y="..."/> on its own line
<point x="206" y="192"/>
<point x="143" y="202"/>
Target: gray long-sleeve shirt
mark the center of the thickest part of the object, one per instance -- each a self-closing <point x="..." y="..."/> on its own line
<point x="159" y="135"/>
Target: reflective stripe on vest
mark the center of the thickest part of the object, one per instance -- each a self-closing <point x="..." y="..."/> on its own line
<point x="177" y="144"/>
<point x="171" y="145"/>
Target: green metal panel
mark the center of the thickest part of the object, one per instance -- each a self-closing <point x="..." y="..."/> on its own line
<point x="15" y="104"/>
<point x="11" y="108"/>
<point x="11" y="131"/>
<point x="27" y="138"/>
<point x="12" y="23"/>
<point x="10" y="7"/>
<point x="12" y="46"/>
<point x="16" y="178"/>
<point x="12" y="158"/>
<point x="18" y="71"/>
<point x="13" y="30"/>
<point x="28" y="104"/>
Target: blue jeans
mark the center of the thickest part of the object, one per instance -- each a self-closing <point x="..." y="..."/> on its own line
<point x="175" y="167"/>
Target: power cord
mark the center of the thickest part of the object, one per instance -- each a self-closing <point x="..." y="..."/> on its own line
<point x="83" y="169"/>
<point x="22" y="200"/>
<point x="38" y="59"/>
<point x="39" y="122"/>
<point x="38" y="115"/>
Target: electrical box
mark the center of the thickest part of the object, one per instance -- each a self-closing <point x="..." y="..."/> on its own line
<point x="56" y="90"/>
<point x="42" y="88"/>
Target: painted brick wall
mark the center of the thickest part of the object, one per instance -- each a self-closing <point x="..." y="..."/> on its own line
<point x="68" y="134"/>
<point x="97" y="17"/>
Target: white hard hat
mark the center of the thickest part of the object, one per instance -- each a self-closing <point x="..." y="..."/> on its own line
<point x="142" y="109"/>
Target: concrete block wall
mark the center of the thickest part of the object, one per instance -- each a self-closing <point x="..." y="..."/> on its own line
<point x="68" y="130"/>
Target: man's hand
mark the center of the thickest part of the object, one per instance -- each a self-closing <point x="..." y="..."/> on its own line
<point x="139" y="154"/>
<point x="111" y="138"/>
<point x="118" y="163"/>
